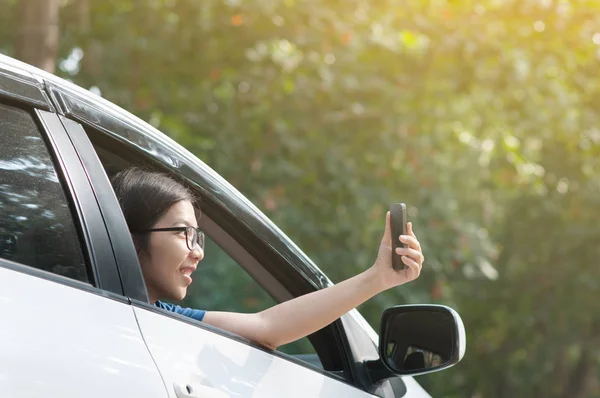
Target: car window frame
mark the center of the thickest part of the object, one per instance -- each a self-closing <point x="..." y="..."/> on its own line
<point x="138" y="158"/>
<point x="119" y="239"/>
<point x="91" y="235"/>
<point x="75" y="124"/>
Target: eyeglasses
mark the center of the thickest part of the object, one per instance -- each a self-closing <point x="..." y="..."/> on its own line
<point x="193" y="236"/>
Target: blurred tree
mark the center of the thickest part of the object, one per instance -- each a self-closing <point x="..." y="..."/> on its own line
<point x="37" y="40"/>
<point x="481" y="115"/>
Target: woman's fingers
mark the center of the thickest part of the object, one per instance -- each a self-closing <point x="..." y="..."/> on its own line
<point x="411" y="241"/>
<point x="416" y="255"/>
<point x="387" y="234"/>
<point x="416" y="268"/>
<point x="410" y="230"/>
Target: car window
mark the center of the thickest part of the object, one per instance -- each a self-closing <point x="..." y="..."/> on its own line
<point x="36" y="226"/>
<point x="221" y="284"/>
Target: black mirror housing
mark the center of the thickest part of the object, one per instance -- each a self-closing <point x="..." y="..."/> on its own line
<point x="419" y="339"/>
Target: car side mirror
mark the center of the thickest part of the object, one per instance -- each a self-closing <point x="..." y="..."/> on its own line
<point x="418" y="339"/>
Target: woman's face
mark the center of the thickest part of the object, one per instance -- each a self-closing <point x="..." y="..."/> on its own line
<point x="168" y="265"/>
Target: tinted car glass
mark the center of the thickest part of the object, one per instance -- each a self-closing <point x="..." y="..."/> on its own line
<point x="36" y="226"/>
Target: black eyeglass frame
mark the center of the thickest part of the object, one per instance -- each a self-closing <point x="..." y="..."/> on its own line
<point x="200" y="241"/>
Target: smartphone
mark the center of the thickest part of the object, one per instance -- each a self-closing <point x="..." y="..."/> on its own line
<point x="398" y="223"/>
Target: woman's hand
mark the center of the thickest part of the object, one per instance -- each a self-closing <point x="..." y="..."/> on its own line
<point x="412" y="257"/>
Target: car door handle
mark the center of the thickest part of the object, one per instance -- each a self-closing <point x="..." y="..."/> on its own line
<point x="198" y="391"/>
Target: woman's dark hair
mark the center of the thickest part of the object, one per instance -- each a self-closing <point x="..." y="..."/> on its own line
<point x="145" y="196"/>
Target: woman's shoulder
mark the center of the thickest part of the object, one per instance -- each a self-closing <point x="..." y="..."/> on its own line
<point x="189" y="312"/>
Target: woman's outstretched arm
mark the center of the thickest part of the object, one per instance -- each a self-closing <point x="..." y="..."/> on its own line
<point x="299" y="317"/>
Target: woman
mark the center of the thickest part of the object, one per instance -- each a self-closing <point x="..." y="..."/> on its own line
<point x="161" y="216"/>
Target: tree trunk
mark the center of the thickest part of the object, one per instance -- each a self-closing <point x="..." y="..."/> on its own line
<point x="37" y="40"/>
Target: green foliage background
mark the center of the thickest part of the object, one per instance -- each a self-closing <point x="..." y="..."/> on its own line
<point x="481" y="115"/>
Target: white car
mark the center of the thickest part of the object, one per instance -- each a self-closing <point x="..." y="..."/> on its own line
<point x="74" y="311"/>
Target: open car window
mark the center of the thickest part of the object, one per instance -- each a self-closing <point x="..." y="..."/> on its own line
<point x="230" y="278"/>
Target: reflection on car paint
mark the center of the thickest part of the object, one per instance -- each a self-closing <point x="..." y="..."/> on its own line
<point x="33" y="207"/>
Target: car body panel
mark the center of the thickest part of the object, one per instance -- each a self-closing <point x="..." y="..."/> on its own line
<point x="65" y="342"/>
<point x="228" y="365"/>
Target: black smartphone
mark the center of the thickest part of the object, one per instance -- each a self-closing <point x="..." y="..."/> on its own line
<point x="398" y="223"/>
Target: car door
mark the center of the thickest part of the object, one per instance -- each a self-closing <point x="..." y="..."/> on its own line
<point x="66" y="329"/>
<point x="120" y="139"/>
<point x="192" y="356"/>
<point x="196" y="358"/>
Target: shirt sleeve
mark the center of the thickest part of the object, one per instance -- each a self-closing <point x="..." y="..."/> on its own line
<point x="189" y="312"/>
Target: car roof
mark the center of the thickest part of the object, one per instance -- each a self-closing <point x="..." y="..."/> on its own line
<point x="76" y="102"/>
